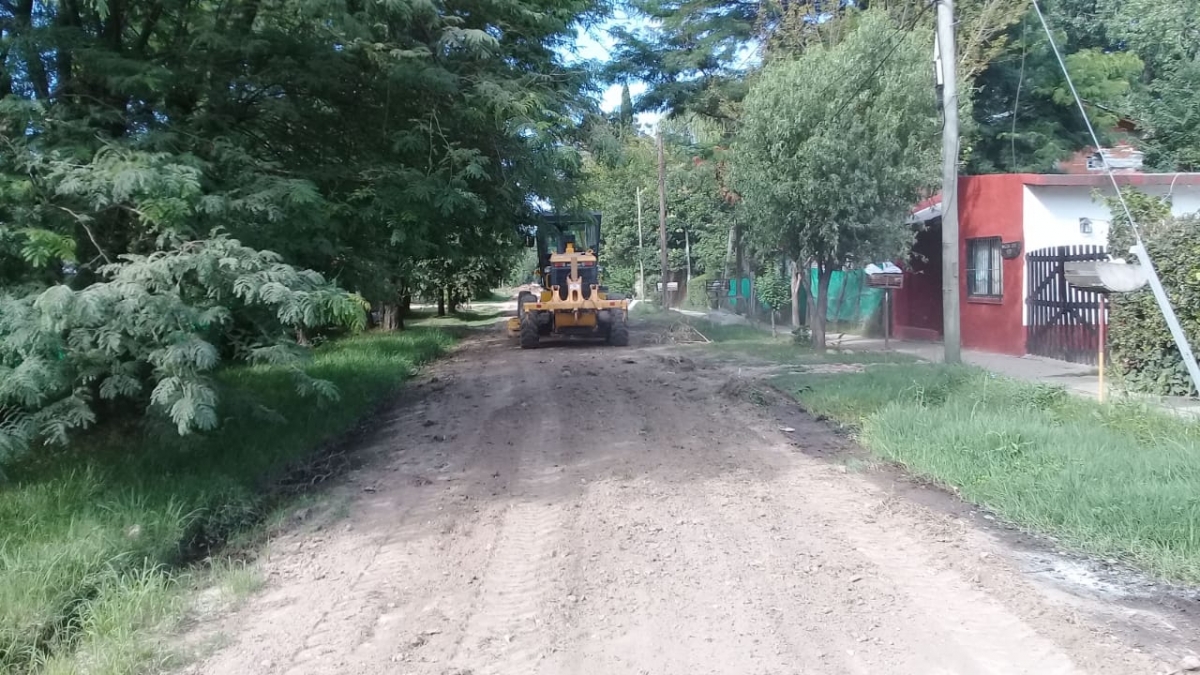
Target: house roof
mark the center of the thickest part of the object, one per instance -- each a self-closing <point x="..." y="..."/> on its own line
<point x="931" y="208"/>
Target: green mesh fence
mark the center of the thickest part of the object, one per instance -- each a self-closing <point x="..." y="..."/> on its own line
<point x="851" y="300"/>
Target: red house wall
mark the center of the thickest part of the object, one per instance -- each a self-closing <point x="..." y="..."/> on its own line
<point x="993" y="206"/>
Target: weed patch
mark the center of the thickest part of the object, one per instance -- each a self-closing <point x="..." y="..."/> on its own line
<point x="91" y="536"/>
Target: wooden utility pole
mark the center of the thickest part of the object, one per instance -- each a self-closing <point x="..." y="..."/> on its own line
<point x="945" y="58"/>
<point x="641" y="256"/>
<point x="687" y="253"/>
<point x="662" y="217"/>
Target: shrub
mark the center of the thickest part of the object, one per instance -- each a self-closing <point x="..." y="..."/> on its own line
<point x="153" y="332"/>
<point x="697" y="292"/>
<point x="773" y="291"/>
<point x="1144" y="355"/>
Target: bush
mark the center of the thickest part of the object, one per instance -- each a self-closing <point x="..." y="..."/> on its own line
<point x="697" y="292"/>
<point x="81" y="527"/>
<point x="773" y="291"/>
<point x="1144" y="355"/>
<point x="153" y="333"/>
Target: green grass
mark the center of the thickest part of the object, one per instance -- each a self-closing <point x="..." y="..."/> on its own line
<point x="735" y="340"/>
<point x="1114" y="480"/>
<point x="91" y="537"/>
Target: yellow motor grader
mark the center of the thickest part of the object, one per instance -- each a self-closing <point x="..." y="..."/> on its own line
<point x="570" y="302"/>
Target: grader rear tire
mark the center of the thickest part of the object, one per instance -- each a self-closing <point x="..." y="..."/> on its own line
<point x="529" y="332"/>
<point x="618" y="334"/>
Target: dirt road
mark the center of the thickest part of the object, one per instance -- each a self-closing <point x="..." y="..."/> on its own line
<point x="612" y="511"/>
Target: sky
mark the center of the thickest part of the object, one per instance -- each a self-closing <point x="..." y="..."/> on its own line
<point x="596" y="44"/>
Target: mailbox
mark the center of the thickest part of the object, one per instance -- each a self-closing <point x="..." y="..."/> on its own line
<point x="1105" y="276"/>
<point x="887" y="276"/>
<point x="886" y="281"/>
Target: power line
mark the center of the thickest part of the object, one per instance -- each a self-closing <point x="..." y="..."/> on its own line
<point x="1160" y="294"/>
<point x="893" y="44"/>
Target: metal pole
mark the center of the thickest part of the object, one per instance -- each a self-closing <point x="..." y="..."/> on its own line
<point x="951" y="337"/>
<point x="887" y="318"/>
<point x="1103" y="339"/>
<point x="687" y="253"/>
<point x="641" y="255"/>
<point x="662" y="218"/>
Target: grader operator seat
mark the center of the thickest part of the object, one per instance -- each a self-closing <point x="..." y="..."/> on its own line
<point x="565" y="239"/>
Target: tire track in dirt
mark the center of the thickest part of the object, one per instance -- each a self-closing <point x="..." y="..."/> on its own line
<point x="505" y="631"/>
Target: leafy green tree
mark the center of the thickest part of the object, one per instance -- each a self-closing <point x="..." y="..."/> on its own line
<point x="1025" y="116"/>
<point x="773" y="292"/>
<point x="389" y="147"/>
<point x="626" y="107"/>
<point x="694" y="59"/>
<point x="1166" y="35"/>
<point x="1131" y="60"/>
<point x="698" y="215"/>
<point x="1170" y="111"/>
<point x="829" y="163"/>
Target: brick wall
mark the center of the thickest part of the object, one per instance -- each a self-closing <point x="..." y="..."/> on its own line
<point x="1123" y="157"/>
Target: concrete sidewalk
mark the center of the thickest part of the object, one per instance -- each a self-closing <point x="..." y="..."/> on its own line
<point x="1079" y="379"/>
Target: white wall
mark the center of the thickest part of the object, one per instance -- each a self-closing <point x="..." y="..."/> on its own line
<point x="1052" y="213"/>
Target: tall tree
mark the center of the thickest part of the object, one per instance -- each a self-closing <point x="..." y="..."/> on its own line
<point x="1025" y="116"/>
<point x="626" y="106"/>
<point x="1166" y="36"/>
<point x="389" y="146"/>
<point x="834" y="189"/>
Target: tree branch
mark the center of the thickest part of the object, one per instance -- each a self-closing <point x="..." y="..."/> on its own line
<point x="82" y="220"/>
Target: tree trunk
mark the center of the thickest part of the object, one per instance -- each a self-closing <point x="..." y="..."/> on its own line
<point x="773" y="333"/>
<point x="441" y="302"/>
<point x="820" y="310"/>
<point x="5" y="77"/>
<point x="35" y="67"/>
<point x="389" y="317"/>
<point x="841" y="299"/>
<point x="794" y="268"/>
<point x="804" y="272"/>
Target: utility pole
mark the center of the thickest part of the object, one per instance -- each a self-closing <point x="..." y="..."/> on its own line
<point x="945" y="59"/>
<point x="662" y="217"/>
<point x="641" y="256"/>
<point x="687" y="253"/>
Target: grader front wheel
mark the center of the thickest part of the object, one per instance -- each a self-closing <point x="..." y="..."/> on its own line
<point x="618" y="334"/>
<point x="529" y="332"/>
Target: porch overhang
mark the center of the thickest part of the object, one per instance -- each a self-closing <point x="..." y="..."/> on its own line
<point x="925" y="212"/>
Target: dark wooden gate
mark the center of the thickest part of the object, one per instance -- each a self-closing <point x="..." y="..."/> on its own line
<point x="1064" y="321"/>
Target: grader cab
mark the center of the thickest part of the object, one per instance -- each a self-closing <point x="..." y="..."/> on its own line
<point x="571" y="301"/>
